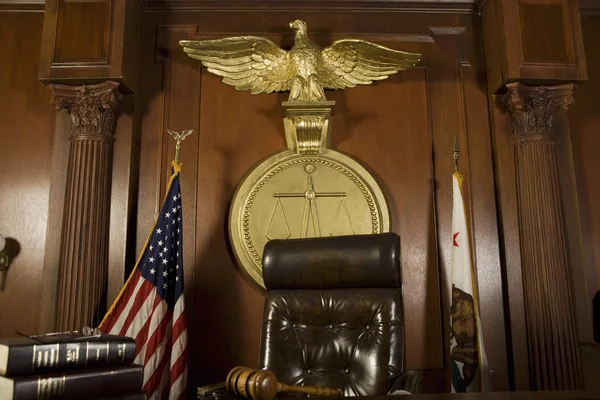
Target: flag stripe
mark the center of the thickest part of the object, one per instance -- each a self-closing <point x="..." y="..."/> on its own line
<point x="142" y="315"/>
<point x="114" y="324"/>
<point x="159" y="365"/>
<point x="162" y="391"/>
<point x="150" y="327"/>
<point x="178" y="387"/>
<point x="156" y="338"/>
<point x="180" y="341"/>
<point x="156" y="348"/>
<point x="155" y="369"/>
<point x="178" y="309"/>
<point x="179" y="326"/>
<point x="141" y="306"/>
<point x="180" y="363"/>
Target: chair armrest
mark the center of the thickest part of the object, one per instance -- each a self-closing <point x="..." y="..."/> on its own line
<point x="407" y="383"/>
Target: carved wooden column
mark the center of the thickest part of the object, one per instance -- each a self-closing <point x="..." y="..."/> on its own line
<point x="549" y="306"/>
<point x="84" y="241"/>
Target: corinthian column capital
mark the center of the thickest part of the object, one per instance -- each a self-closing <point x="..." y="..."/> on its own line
<point x="533" y="108"/>
<point x="92" y="107"/>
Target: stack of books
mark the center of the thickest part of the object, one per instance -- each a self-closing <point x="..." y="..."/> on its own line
<point x="70" y="366"/>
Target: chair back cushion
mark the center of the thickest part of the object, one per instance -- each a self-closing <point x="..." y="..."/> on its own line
<point x="357" y="261"/>
<point x="341" y="325"/>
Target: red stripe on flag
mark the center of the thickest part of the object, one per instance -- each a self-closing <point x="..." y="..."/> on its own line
<point x="178" y="367"/>
<point x="153" y="383"/>
<point x="158" y="336"/>
<point x="142" y="335"/>
<point x="122" y="302"/>
<point x="178" y="327"/>
<point x="138" y="302"/>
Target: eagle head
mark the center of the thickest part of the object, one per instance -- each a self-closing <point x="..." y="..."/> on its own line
<point x="299" y="26"/>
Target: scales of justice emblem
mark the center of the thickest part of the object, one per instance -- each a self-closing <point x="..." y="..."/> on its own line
<point x="307" y="189"/>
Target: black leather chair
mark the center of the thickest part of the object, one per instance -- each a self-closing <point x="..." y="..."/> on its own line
<point x="334" y="316"/>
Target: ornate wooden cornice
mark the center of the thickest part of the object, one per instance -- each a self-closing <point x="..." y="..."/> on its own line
<point x="533" y="108"/>
<point x="92" y="108"/>
<point x="468" y="6"/>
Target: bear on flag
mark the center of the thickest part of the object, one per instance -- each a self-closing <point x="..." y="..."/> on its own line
<point x="470" y="372"/>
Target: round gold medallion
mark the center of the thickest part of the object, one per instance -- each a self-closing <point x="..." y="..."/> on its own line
<point x="293" y="195"/>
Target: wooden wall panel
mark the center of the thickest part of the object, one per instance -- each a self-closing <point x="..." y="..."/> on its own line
<point x="402" y="129"/>
<point x="504" y="171"/>
<point x="551" y="21"/>
<point x="93" y="19"/>
<point x="26" y="140"/>
<point x="584" y="121"/>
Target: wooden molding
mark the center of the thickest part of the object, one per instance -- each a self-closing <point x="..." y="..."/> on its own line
<point x="313" y="5"/>
<point x="481" y="4"/>
<point x="83" y="265"/>
<point x="21" y="5"/>
<point x="547" y="284"/>
<point x="589" y="7"/>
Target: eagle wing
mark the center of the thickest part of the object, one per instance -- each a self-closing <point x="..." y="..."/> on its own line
<point x="248" y="63"/>
<point x="351" y="62"/>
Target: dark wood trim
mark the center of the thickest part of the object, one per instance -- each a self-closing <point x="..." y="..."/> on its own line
<point x="58" y="184"/>
<point x="589" y="7"/>
<point x="481" y="4"/>
<point x="21" y="5"/>
<point x="431" y="6"/>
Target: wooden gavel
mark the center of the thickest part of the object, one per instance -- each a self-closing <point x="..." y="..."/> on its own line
<point x="260" y="384"/>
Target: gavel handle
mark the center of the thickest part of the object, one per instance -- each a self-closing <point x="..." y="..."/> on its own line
<point x="312" y="390"/>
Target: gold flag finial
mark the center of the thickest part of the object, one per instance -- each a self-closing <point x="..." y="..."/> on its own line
<point x="455" y="154"/>
<point x="179" y="138"/>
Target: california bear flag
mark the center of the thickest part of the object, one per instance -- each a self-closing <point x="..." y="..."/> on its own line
<point x="470" y="372"/>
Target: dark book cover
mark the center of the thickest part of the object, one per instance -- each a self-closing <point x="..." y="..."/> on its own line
<point x="54" y="353"/>
<point x="129" y="396"/>
<point x="92" y="383"/>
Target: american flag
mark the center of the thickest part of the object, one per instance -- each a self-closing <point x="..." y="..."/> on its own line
<point x="150" y="307"/>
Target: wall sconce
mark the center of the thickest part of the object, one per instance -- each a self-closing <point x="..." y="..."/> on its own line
<point x="3" y="254"/>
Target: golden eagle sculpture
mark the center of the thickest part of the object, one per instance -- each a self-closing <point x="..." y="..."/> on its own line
<point x="258" y="65"/>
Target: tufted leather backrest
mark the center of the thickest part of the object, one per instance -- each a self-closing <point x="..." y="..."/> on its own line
<point x="333" y="313"/>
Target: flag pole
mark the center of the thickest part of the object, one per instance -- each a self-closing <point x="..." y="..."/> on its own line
<point x="455" y="154"/>
<point x="179" y="138"/>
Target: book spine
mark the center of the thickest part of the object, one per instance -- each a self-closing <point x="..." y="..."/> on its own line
<point x="89" y="385"/>
<point x="60" y="356"/>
